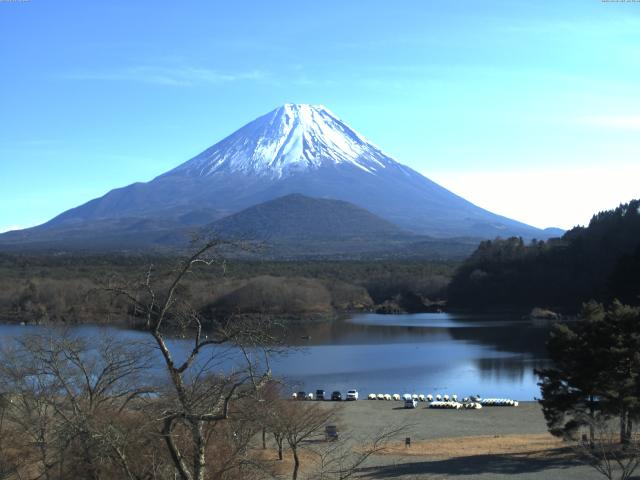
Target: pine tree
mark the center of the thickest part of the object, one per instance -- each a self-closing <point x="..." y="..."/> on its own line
<point x="596" y="370"/>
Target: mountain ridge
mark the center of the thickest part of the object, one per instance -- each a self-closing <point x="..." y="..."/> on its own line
<point x="298" y="217"/>
<point x="293" y="149"/>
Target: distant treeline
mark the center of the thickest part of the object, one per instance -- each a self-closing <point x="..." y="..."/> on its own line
<point x="601" y="261"/>
<point x="75" y="289"/>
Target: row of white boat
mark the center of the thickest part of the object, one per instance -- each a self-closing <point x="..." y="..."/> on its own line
<point x="455" y="405"/>
<point x="446" y="401"/>
<point x="499" y="402"/>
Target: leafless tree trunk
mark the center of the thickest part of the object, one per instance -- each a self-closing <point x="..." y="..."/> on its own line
<point x="201" y="391"/>
<point x="296" y="461"/>
<point x="279" y="438"/>
<point x="8" y="465"/>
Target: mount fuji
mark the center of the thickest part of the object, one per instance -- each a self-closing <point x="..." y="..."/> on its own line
<point x="294" y="149"/>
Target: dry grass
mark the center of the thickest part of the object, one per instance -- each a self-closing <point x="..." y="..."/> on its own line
<point x="529" y="445"/>
<point x="269" y="460"/>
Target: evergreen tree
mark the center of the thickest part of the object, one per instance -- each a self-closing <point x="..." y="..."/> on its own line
<point x="596" y="370"/>
<point x="601" y="261"/>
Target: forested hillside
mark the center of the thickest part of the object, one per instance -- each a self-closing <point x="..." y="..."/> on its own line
<point x="601" y="261"/>
<point x="74" y="289"/>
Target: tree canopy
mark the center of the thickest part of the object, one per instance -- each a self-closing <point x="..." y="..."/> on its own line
<point x="596" y="370"/>
<point x="601" y="261"/>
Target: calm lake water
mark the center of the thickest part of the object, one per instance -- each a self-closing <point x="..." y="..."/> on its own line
<point x="419" y="353"/>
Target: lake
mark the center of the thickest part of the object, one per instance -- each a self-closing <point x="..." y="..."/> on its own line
<point x="493" y="356"/>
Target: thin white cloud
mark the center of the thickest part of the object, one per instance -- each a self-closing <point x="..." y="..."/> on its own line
<point x="624" y="122"/>
<point x="546" y="197"/>
<point x="9" y="228"/>
<point x="179" y="76"/>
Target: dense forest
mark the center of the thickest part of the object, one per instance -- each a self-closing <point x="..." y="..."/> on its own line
<point x="601" y="261"/>
<point x="74" y="289"/>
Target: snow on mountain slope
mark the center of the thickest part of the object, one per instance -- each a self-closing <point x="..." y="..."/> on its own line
<point x="294" y="149"/>
<point x="290" y="139"/>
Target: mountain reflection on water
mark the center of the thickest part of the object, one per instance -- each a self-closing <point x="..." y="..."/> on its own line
<point x="412" y="353"/>
<point x="423" y="353"/>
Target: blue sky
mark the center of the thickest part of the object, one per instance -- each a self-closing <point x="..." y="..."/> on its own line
<point x="529" y="108"/>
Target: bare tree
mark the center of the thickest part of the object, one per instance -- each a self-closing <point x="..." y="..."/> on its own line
<point x="8" y="462"/>
<point x="209" y="378"/>
<point x="300" y="423"/>
<point x="605" y="452"/>
<point x="76" y="403"/>
<point x="30" y="412"/>
<point x="232" y="443"/>
<point x="264" y="412"/>
<point x="342" y="459"/>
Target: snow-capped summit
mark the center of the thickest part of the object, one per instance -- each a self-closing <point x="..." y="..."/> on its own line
<point x="289" y="139"/>
<point x="294" y="149"/>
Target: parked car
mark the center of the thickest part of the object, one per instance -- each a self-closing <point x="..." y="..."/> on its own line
<point x="301" y="396"/>
<point x="410" y="403"/>
<point x="330" y="433"/>
<point x="336" y="396"/>
<point x="319" y="394"/>
<point x="352" y="395"/>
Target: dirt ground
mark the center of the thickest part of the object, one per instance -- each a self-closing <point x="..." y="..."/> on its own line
<point x="459" y="447"/>
<point x="491" y="443"/>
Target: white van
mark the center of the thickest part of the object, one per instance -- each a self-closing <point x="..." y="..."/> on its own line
<point x="410" y="403"/>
